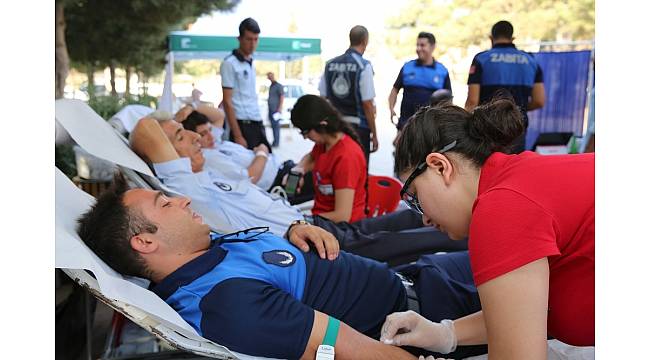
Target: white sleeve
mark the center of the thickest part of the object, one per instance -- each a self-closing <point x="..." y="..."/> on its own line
<point x="227" y="72"/>
<point x="224" y="165"/>
<point x="217" y="133"/>
<point x="366" y="83"/>
<point x="322" y="86"/>
<point x="177" y="175"/>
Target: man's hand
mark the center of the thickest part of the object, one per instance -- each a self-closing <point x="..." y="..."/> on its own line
<point x="239" y="139"/>
<point x="325" y="242"/>
<point x="411" y="328"/>
<point x="182" y="114"/>
<point x="375" y="142"/>
<point x="392" y="116"/>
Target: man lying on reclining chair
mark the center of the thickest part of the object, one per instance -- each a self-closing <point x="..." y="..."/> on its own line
<point x="234" y="161"/>
<point x="179" y="162"/>
<point x="257" y="294"/>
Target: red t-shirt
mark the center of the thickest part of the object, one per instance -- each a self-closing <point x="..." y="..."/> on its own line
<point x="531" y="206"/>
<point x="341" y="167"/>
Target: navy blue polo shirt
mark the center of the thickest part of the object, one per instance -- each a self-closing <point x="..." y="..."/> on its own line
<point x="255" y="293"/>
<point x="419" y="82"/>
<point x="505" y="67"/>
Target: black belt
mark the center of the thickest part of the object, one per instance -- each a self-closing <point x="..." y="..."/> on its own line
<point x="411" y="296"/>
<point x="249" y="122"/>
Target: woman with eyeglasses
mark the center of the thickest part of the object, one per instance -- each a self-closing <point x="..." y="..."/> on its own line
<point x="530" y="222"/>
<point x="337" y="161"/>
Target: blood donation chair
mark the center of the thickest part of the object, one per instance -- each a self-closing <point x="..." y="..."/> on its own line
<point x="125" y="295"/>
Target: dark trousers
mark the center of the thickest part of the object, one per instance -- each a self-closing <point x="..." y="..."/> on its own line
<point x="445" y="288"/>
<point x="275" y="125"/>
<point x="364" y="136"/>
<point x="396" y="238"/>
<point x="253" y="132"/>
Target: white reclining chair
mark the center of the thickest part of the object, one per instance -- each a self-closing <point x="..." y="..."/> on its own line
<point x="124" y="295"/>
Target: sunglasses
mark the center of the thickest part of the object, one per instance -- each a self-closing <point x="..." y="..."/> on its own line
<point x="411" y="199"/>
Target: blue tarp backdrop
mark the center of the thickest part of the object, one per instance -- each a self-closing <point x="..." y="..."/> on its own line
<point x="566" y="77"/>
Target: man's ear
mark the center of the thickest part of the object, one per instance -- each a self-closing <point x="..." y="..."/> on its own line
<point x="144" y="243"/>
<point x="441" y="166"/>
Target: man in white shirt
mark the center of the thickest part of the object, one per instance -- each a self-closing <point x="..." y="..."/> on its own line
<point x="240" y="91"/>
<point x="396" y="238"/>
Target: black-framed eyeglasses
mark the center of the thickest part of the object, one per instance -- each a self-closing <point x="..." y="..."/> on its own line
<point x="246" y="235"/>
<point x="409" y="198"/>
<point x="304" y="132"/>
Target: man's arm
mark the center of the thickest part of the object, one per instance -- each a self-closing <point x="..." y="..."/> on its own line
<point x="227" y="84"/>
<point x="350" y="344"/>
<point x="474" y="84"/>
<point x="215" y="115"/>
<point x="281" y="100"/>
<point x="149" y="141"/>
<point x="343" y="202"/>
<point x="367" y="87"/>
<point x="473" y="91"/>
<point x="537" y="97"/>
<point x="256" y="168"/>
<point x="392" y="99"/>
<point x="515" y="306"/>
<point x="232" y="118"/>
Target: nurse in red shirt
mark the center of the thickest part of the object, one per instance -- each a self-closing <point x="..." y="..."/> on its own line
<point x="530" y="222"/>
<point x="337" y="162"/>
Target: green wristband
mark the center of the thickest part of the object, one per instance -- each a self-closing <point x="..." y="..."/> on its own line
<point x="332" y="331"/>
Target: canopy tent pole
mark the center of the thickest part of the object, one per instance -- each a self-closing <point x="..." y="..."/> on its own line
<point x="167" y="98"/>
<point x="304" y="69"/>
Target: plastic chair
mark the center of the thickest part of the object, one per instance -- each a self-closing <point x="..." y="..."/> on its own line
<point x="383" y="195"/>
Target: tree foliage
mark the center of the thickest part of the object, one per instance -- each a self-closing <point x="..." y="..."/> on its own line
<point x="129" y="33"/>
<point x="461" y="23"/>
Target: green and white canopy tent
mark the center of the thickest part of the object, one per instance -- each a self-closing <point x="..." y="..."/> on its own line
<point x="188" y="46"/>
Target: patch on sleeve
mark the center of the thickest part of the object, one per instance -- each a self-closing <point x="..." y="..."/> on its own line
<point x="222" y="186"/>
<point x="280" y="258"/>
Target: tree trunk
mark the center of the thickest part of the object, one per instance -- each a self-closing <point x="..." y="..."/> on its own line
<point x="90" y="75"/>
<point x="111" y="68"/>
<point x="61" y="58"/>
<point x="127" y="92"/>
<point x="144" y="83"/>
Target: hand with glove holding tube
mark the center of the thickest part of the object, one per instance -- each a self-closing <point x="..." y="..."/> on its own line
<point x="412" y="329"/>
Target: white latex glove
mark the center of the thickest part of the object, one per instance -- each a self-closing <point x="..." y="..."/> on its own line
<point x="415" y="330"/>
<point x="431" y="358"/>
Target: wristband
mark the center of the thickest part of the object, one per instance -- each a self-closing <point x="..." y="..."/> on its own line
<point x="262" y="154"/>
<point x="332" y="331"/>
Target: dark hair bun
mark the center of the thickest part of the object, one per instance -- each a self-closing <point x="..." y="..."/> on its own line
<point x="497" y="123"/>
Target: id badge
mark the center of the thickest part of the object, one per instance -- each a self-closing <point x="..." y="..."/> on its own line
<point x="326" y="189"/>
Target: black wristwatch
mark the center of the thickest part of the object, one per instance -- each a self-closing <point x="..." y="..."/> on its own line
<point x="294" y="223"/>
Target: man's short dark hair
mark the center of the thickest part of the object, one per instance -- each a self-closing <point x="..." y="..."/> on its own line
<point x="107" y="229"/>
<point x="194" y="119"/>
<point x="248" y="24"/>
<point x="358" y="34"/>
<point x="502" y="30"/>
<point x="427" y="35"/>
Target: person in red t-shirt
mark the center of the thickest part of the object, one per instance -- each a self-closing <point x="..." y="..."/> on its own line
<point x="337" y="162"/>
<point x="530" y="222"/>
